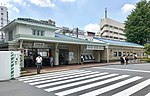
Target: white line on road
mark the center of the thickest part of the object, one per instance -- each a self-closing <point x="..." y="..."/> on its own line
<point x="133" y="89"/>
<point x="37" y="75"/>
<point x="63" y="93"/>
<point x="111" y="87"/>
<point x="144" y="71"/>
<point x="148" y="94"/>
<point x="56" y="76"/>
<point x="77" y="83"/>
<point x="70" y="80"/>
<point x="68" y="77"/>
<point x="51" y="74"/>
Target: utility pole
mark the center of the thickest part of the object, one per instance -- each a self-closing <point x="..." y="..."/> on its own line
<point x="77" y="31"/>
<point x="105" y="12"/>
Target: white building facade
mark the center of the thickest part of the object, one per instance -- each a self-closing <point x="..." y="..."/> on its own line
<point x="3" y="19"/>
<point x="111" y="29"/>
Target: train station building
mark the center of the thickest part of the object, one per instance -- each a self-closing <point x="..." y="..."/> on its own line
<point x="33" y="37"/>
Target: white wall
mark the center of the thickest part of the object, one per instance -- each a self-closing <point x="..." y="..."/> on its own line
<point x="26" y="29"/>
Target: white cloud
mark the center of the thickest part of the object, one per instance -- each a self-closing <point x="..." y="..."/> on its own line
<point x="128" y="8"/>
<point x="3" y="2"/>
<point x="92" y="27"/>
<point x="18" y="1"/>
<point x="16" y="10"/>
<point x="42" y="3"/>
<point x="10" y="4"/>
<point x="67" y="0"/>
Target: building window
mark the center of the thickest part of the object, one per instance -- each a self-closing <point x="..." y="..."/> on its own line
<point x="33" y="32"/>
<point x="1" y="13"/>
<point x="110" y="26"/>
<point x="38" y="32"/>
<point x="42" y="33"/>
<point x="1" y="8"/>
<point x="115" y="28"/>
<point x="119" y="54"/>
<point x="115" y="54"/>
<point x="10" y="35"/>
<point x="115" y="32"/>
<point x="124" y="53"/>
<point x="131" y="54"/>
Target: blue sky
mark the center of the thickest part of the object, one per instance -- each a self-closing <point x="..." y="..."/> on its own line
<point x="84" y="14"/>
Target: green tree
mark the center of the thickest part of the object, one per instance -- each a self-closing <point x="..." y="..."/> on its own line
<point x="147" y="48"/>
<point x="137" y="26"/>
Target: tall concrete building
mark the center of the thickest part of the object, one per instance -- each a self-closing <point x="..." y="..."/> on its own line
<point x="3" y="19"/>
<point x="111" y="29"/>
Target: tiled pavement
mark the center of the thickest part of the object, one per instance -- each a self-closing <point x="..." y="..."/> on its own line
<point x="32" y="71"/>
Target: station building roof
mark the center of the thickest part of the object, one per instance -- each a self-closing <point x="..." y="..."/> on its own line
<point x="79" y="40"/>
<point x="119" y="43"/>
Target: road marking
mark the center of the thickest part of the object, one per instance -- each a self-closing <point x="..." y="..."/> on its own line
<point x="77" y="83"/>
<point x="111" y="87"/>
<point x="63" y="93"/>
<point x="133" y="89"/>
<point x="70" y="80"/>
<point x="69" y="77"/>
<point x="37" y="75"/>
<point x="144" y="71"/>
<point x="51" y="74"/>
<point x="56" y="76"/>
<point x="148" y="94"/>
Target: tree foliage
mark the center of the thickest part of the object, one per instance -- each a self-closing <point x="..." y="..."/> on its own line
<point x="137" y="26"/>
<point x="147" y="48"/>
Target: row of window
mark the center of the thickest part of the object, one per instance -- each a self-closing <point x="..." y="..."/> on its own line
<point x="111" y="27"/>
<point x="113" y="37"/>
<point x="112" y="32"/>
<point x="125" y="53"/>
<point x="38" y="32"/>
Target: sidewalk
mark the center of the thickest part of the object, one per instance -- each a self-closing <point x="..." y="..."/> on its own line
<point x="32" y="71"/>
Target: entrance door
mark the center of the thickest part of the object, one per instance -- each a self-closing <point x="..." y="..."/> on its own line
<point x="63" y="56"/>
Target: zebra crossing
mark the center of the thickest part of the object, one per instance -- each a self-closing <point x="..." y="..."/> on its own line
<point x="78" y="82"/>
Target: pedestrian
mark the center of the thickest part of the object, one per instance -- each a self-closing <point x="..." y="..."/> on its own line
<point x="38" y="63"/>
<point x="127" y="59"/>
<point x="121" y="60"/>
<point x="124" y="59"/>
<point x="82" y="59"/>
<point x="51" y="61"/>
<point x="135" y="58"/>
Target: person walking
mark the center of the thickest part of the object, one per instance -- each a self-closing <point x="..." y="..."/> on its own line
<point x="121" y="60"/>
<point x="127" y="59"/>
<point x="38" y="63"/>
<point x="82" y="59"/>
<point x="51" y="61"/>
<point x="124" y="59"/>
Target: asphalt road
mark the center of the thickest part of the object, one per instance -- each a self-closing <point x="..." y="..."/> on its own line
<point x="112" y="80"/>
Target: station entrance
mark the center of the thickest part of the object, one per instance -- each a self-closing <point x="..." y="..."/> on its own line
<point x="31" y="54"/>
<point x="63" y="56"/>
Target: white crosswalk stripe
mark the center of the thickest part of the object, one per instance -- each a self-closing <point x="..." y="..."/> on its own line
<point x="133" y="89"/>
<point x="111" y="87"/>
<point x="89" y="86"/>
<point x="70" y="80"/>
<point x="78" y="81"/>
<point x="50" y="74"/>
<point x="75" y="75"/>
<point x="57" y="76"/>
<point x="148" y="94"/>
